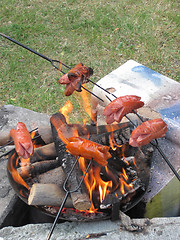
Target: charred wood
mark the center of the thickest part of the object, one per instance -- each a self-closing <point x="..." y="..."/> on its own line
<point x="80" y="198"/>
<point x="124" y="199"/>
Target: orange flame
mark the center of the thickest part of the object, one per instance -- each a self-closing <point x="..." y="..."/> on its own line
<point x="134" y="161"/>
<point x="123" y="182"/>
<point x="14" y="173"/>
<point x="123" y="155"/>
<point x="111" y="143"/>
<point x="13" y="165"/>
<point x="66" y="110"/>
<point x="94" y="181"/>
<point x="86" y="102"/>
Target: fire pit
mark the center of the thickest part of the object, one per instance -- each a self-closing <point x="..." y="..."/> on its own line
<point x="106" y="190"/>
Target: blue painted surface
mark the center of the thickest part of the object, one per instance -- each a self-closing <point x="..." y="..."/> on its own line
<point x="148" y="74"/>
<point x="172" y="112"/>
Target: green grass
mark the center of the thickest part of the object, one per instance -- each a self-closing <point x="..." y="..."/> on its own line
<point x="101" y="34"/>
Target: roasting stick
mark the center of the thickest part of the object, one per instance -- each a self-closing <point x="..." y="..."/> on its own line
<point x="156" y="145"/>
<point x="67" y="193"/>
<point x="52" y="61"/>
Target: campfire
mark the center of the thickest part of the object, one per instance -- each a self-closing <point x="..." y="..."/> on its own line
<point x="105" y="190"/>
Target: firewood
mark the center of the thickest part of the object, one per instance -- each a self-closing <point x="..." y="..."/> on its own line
<point x="120" y="136"/>
<point x="32" y="170"/>
<point x="45" y="152"/>
<point x="47" y="194"/>
<point x="56" y="176"/>
<point x="88" y="130"/>
<point x="45" y="133"/>
<point x="80" y="198"/>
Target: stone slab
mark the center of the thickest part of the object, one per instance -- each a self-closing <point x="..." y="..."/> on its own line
<point x="141" y="229"/>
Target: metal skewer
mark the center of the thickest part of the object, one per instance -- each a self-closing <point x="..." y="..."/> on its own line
<point x="67" y="193"/>
<point x="52" y="61"/>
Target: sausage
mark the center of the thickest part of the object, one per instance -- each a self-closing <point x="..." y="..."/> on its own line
<point x="121" y="106"/>
<point x="75" y="77"/>
<point x="64" y="79"/>
<point x="72" y="86"/>
<point x="22" y="140"/>
<point x="89" y="150"/>
<point x="80" y="71"/>
<point x="147" y="131"/>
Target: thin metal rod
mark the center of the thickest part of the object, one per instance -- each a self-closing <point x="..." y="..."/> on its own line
<point x="166" y="159"/>
<point x="82" y="179"/>
<point x="57" y="216"/>
<point x="92" y="93"/>
<point x="101" y="87"/>
<point x="67" y="193"/>
<point x="5" y="154"/>
<point x="31" y="50"/>
<point x="50" y="60"/>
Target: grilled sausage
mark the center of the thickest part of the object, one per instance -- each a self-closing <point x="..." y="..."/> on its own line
<point x="147" y="131"/>
<point x="89" y="150"/>
<point x="22" y="140"/>
<point x="75" y="78"/>
<point x="121" y="106"/>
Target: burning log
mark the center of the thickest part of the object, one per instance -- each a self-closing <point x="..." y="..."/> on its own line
<point x="119" y="137"/>
<point x="62" y="131"/>
<point x="132" y="183"/>
<point x="79" y="198"/>
<point x="47" y="194"/>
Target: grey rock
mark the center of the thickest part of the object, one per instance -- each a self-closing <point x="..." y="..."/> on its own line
<point x="157" y="228"/>
<point x="9" y="116"/>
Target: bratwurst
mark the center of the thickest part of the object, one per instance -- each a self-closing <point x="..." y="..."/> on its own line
<point x="75" y="78"/>
<point x="147" y="131"/>
<point x="121" y="106"/>
<point x="22" y="140"/>
<point x="89" y="150"/>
